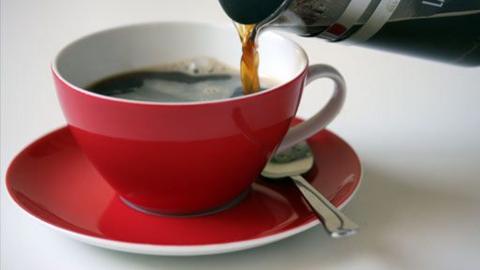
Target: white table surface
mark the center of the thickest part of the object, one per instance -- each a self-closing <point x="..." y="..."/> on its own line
<point x="414" y="123"/>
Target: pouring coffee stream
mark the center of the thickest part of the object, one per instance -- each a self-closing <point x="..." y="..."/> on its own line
<point x="441" y="30"/>
<point x="249" y="62"/>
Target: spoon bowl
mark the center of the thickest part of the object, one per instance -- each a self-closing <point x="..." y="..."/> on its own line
<point x="296" y="160"/>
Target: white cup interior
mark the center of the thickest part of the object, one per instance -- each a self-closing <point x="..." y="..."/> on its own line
<point x="128" y="48"/>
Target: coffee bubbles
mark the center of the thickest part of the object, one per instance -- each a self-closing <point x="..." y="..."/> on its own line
<point x="198" y="79"/>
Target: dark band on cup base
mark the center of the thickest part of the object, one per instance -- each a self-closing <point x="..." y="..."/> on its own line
<point x="215" y="210"/>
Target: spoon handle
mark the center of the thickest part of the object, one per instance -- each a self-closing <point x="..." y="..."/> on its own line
<point x="334" y="221"/>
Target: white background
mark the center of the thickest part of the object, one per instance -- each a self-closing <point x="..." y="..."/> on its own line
<point x="415" y="124"/>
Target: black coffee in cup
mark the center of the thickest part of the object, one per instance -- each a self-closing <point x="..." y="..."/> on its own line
<point x="199" y="79"/>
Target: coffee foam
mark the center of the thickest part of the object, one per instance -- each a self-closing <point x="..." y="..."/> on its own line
<point x="177" y="91"/>
<point x="198" y="66"/>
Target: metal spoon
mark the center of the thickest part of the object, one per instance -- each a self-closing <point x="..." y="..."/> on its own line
<point x="298" y="160"/>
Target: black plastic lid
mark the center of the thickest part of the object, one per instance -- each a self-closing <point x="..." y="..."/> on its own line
<point x="250" y="11"/>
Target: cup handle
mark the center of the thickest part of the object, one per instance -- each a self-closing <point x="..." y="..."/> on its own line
<point x="322" y="118"/>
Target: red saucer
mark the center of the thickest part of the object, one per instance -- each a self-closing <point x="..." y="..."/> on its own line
<point x="53" y="181"/>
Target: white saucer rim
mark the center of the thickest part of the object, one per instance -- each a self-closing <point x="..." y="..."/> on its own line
<point x="181" y="250"/>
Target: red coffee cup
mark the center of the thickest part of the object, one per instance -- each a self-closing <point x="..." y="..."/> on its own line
<point x="191" y="157"/>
